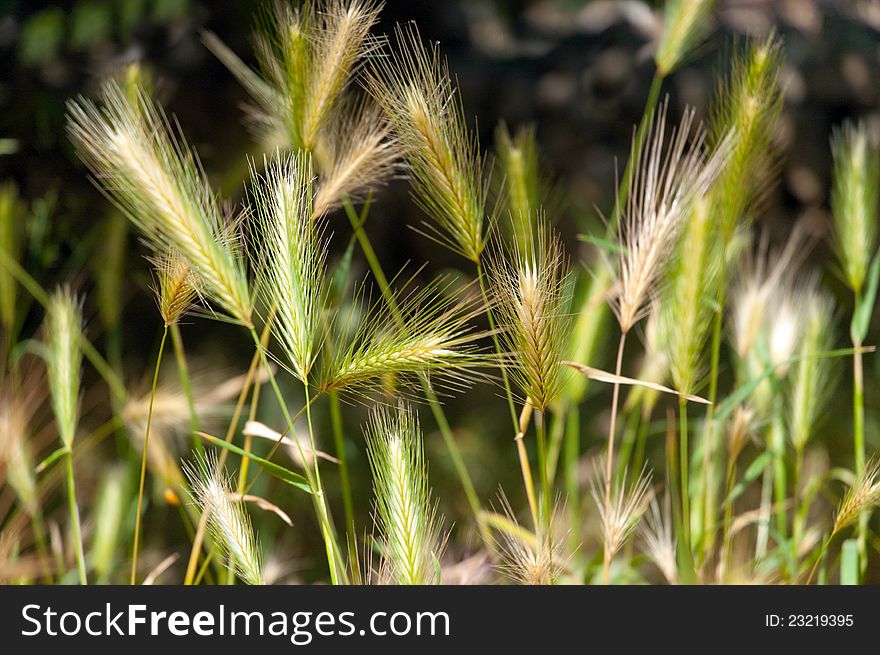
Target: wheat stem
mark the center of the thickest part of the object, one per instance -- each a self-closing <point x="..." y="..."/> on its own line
<point x="143" y="475"/>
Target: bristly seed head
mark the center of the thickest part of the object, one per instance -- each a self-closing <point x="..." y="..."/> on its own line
<point x="228" y="521"/>
<point x="666" y="178"/>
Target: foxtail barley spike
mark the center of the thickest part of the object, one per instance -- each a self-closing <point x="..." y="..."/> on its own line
<point x="291" y="257"/>
<point x="854" y="200"/>
<point x="428" y="333"/>
<point x="407" y="517"/>
<point x="413" y="87"/>
<point x="64" y="361"/>
<point x="154" y="177"/>
<point x="862" y="496"/>
<point x="176" y="287"/>
<point x="529" y="288"/>
<point x="228" y="522"/>
<point x="684" y="25"/>
<point x="666" y="178"/>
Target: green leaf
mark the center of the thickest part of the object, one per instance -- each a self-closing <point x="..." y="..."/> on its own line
<point x="861" y="319"/>
<point x="849" y="562"/>
<point x="755" y="469"/>
<point x="724" y="408"/>
<point x="51" y="459"/>
<point x="283" y="474"/>
<point x="605" y="244"/>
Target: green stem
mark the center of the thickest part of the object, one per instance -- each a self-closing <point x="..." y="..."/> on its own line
<point x="339" y="444"/>
<point x="609" y="455"/>
<point x="726" y="537"/>
<point x="491" y="318"/>
<point x="859" y="441"/>
<point x="571" y="453"/>
<point x="546" y="493"/>
<point x="684" y="466"/>
<point x="74" y="519"/>
<point x="318" y="496"/>
<point x="186" y="384"/>
<point x="143" y="477"/>
<point x="780" y="476"/>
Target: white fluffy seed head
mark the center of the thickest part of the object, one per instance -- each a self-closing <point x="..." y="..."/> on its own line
<point x="666" y="177"/>
<point x="228" y="521"/>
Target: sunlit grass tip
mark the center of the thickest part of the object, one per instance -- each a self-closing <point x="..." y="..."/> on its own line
<point x="411" y="542"/>
<point x="228" y="521"/>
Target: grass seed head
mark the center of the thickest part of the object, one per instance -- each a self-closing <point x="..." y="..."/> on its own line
<point x="157" y="181"/>
<point x="684" y="25"/>
<point x="529" y="286"/>
<point x="854" y="200"/>
<point x="413" y="86"/>
<point x="626" y="509"/>
<point x="407" y="516"/>
<point x="666" y="178"/>
<point x="228" y="522"/>
<point x="291" y="257"/>
<point x="64" y="360"/>
<point x="862" y="496"/>
<point x="429" y="333"/>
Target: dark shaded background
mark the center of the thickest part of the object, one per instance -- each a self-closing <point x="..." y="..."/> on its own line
<point x="579" y="70"/>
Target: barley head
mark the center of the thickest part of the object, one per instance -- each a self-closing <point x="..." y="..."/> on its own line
<point x="415" y="90"/>
<point x="176" y="286"/>
<point x="429" y="333"/>
<point x="812" y="372"/>
<point x="291" y="256"/>
<point x="154" y="177"/>
<point x="529" y="286"/>
<point x="854" y="200"/>
<point x="64" y="360"/>
<point x="685" y="23"/>
<point x="747" y="106"/>
<point x="666" y="179"/>
<point x="862" y="496"/>
<point x="406" y="514"/>
<point x="228" y="522"/>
